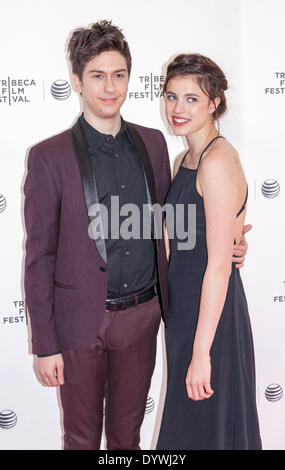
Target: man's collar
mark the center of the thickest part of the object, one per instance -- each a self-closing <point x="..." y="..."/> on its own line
<point x="94" y="137"/>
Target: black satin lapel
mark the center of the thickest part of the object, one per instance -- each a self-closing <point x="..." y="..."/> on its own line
<point x="88" y="180"/>
<point x="142" y="150"/>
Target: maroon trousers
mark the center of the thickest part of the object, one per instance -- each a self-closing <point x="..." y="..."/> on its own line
<point x="118" y="366"/>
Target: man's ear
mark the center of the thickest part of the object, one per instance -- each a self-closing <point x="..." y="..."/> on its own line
<point x="77" y="83"/>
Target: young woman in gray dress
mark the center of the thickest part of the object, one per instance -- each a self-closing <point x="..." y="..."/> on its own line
<point x="210" y="400"/>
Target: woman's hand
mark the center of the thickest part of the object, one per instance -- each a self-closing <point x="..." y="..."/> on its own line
<point x="198" y="377"/>
<point x="240" y="251"/>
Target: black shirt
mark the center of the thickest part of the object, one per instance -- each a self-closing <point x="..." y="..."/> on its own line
<point x="118" y="172"/>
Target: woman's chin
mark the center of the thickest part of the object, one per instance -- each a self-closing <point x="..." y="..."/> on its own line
<point x="180" y="132"/>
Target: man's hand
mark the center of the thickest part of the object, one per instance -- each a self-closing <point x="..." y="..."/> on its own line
<point x="50" y="370"/>
<point x="239" y="251"/>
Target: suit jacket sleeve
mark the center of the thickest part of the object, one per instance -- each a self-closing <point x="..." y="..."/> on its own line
<point x="42" y="211"/>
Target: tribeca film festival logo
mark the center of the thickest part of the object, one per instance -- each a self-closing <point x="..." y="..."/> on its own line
<point x="274" y="392"/>
<point x="16" y="90"/>
<point x="18" y="316"/>
<point x="270" y="188"/>
<point x="8" y="419"/>
<point x="277" y="90"/>
<point x="278" y="299"/>
<point x="149" y="87"/>
<point x="128" y="221"/>
<point x="26" y="90"/>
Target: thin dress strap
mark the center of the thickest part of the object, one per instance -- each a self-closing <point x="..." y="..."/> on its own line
<point x="243" y="206"/>
<point x="184" y="158"/>
<point x="206" y="148"/>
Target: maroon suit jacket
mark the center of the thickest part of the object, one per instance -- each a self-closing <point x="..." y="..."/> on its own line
<point x="66" y="272"/>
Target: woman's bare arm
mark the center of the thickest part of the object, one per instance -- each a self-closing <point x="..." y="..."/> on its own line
<point x="220" y="187"/>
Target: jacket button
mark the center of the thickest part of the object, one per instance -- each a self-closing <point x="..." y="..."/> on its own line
<point x="102" y="268"/>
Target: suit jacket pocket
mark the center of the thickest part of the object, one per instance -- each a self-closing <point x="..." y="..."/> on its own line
<point x="64" y="286"/>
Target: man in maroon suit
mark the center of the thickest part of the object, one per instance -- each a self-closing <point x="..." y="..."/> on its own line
<point x="95" y="302"/>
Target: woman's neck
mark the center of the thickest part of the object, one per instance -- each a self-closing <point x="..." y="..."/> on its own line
<point x="198" y="141"/>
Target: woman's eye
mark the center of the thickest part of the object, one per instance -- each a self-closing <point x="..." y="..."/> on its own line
<point x="171" y="97"/>
<point x="191" y="99"/>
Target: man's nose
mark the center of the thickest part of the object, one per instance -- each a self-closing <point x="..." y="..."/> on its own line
<point x="109" y="84"/>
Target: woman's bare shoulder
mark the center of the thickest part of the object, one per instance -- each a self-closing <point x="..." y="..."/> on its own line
<point x="222" y="152"/>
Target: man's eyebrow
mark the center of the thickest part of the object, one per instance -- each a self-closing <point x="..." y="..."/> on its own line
<point x="102" y="71"/>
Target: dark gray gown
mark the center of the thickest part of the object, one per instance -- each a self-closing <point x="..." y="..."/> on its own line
<point x="228" y="419"/>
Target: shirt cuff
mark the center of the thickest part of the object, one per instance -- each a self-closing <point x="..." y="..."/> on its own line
<point x="47" y="355"/>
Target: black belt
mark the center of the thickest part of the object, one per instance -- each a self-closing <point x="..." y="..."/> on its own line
<point x="132" y="301"/>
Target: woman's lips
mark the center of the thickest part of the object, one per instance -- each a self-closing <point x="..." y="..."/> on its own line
<point x="177" y="121"/>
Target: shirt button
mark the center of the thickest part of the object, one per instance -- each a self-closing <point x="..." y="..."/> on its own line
<point x="125" y="284"/>
<point x="127" y="252"/>
<point x="123" y="186"/>
<point x="116" y="155"/>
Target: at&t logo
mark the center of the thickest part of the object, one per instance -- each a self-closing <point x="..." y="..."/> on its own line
<point x="3" y="203"/>
<point x="60" y="90"/>
<point x="149" y="405"/>
<point x="274" y="392"/>
<point x="8" y="419"/>
<point x="270" y="188"/>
